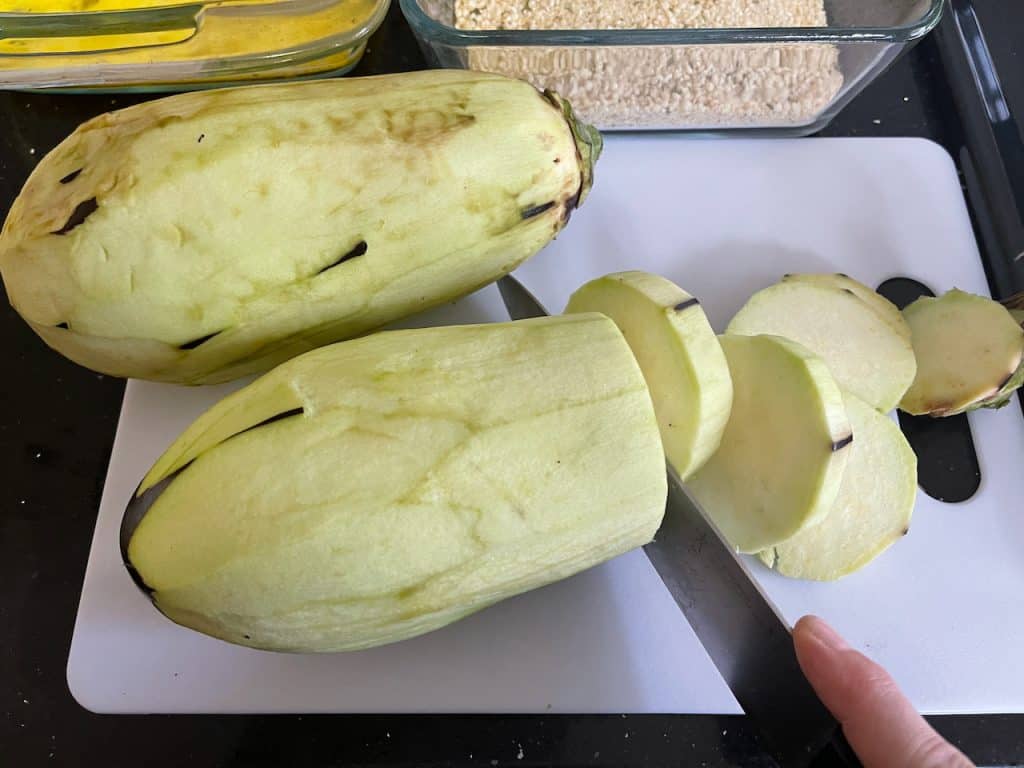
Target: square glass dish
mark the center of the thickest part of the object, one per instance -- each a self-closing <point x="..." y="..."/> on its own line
<point x="145" y="45"/>
<point x="784" y="80"/>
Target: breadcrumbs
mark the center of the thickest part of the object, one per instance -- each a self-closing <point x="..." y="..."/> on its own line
<point x="665" y="86"/>
<point x="637" y="14"/>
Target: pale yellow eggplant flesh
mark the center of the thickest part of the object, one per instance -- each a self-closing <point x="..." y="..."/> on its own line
<point x="206" y="236"/>
<point x="970" y="351"/>
<point x="383" y="487"/>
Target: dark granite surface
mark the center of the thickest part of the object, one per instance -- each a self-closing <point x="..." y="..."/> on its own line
<point x="57" y="424"/>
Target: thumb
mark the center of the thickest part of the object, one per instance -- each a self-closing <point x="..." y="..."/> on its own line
<point x="880" y="723"/>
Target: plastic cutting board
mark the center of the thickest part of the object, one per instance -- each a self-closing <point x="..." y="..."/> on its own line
<point x="941" y="609"/>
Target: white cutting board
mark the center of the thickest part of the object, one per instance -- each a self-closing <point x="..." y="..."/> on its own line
<point x="942" y="609"/>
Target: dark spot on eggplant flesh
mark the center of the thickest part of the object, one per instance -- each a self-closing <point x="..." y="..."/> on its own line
<point x="291" y="413"/>
<point x="200" y="139"/>
<point x="137" y="578"/>
<point x="571" y="205"/>
<point x="905" y="531"/>
<point x="71" y="177"/>
<point x="63" y="326"/>
<point x="574" y="202"/>
<point x="537" y="210"/>
<point x="687" y="304"/>
<point x="838" y="445"/>
<point x="359" y="249"/>
<point x="82" y="211"/>
<point x="406" y="592"/>
<point x="247" y="637"/>
<point x="197" y="342"/>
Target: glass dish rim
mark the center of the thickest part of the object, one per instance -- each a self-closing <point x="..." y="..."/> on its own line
<point x="437" y="33"/>
<point x="195" y="72"/>
<point x="174" y="11"/>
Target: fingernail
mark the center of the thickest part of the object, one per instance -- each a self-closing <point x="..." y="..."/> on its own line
<point x="825" y="635"/>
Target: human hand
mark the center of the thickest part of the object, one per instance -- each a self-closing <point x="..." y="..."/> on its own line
<point x="879" y="722"/>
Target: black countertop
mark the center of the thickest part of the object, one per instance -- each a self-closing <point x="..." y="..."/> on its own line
<point x="57" y="425"/>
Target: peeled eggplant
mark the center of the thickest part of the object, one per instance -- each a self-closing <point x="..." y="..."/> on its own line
<point x="970" y="354"/>
<point x="865" y="349"/>
<point x="885" y="308"/>
<point x="383" y="487"/>
<point x="872" y="510"/>
<point x="205" y="236"/>
<point x="785" y="448"/>
<point x="679" y="354"/>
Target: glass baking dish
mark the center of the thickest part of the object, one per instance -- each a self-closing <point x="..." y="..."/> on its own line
<point x="776" y="80"/>
<point x="146" y="45"/>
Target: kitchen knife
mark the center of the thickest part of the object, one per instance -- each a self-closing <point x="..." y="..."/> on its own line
<point x="743" y="633"/>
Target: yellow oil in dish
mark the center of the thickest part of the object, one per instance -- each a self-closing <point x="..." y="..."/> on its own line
<point x="247" y="39"/>
<point x="93" y="6"/>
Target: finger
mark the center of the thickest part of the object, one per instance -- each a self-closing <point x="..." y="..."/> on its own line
<point x="880" y="723"/>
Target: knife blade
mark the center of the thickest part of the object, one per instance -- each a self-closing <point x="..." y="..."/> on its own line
<point x="746" y="637"/>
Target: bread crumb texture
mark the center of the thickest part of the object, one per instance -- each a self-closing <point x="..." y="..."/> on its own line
<point x="666" y="86"/>
<point x="637" y="14"/>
